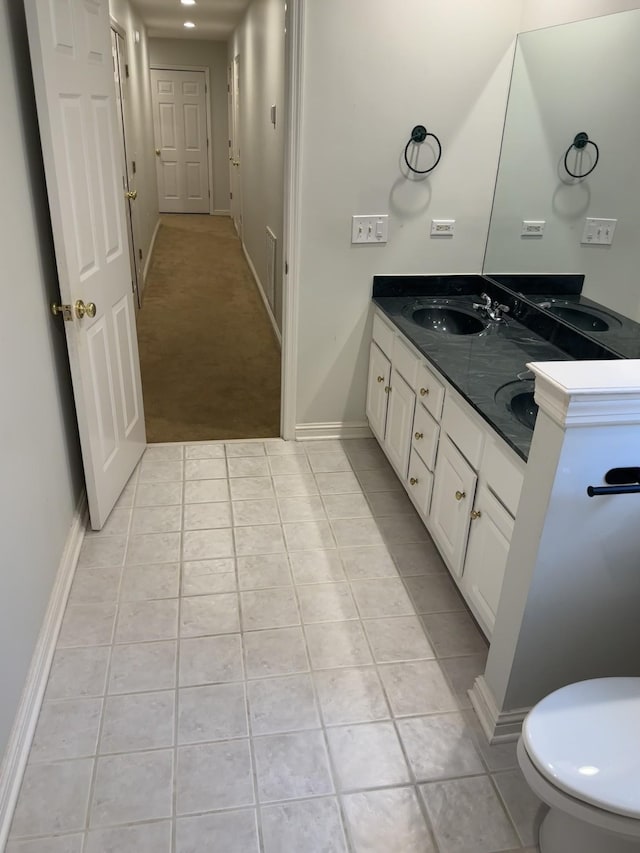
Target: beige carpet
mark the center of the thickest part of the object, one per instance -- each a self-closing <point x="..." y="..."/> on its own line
<point x="209" y="358"/>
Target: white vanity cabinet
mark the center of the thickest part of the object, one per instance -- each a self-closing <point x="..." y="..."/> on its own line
<point x="461" y="476"/>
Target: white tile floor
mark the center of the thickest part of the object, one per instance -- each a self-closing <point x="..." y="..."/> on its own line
<point x="263" y="651"/>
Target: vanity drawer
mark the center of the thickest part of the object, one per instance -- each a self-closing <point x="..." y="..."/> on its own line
<point x="425" y="436"/>
<point x="420" y="484"/>
<point x="383" y="335"/>
<point x="465" y="433"/>
<point x="504" y="474"/>
<point x="430" y="391"/>
<point x="405" y="362"/>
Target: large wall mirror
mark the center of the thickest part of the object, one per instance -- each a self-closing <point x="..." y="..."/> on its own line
<point x="570" y="79"/>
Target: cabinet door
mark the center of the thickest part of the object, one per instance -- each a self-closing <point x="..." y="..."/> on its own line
<point x="378" y="390"/>
<point x="420" y="484"/>
<point x="397" y="439"/>
<point x="453" y="493"/>
<point x="487" y="552"/>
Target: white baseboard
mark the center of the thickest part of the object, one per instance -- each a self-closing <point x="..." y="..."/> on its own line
<point x="339" y="429"/>
<point x="152" y="244"/>
<point x="263" y="295"/>
<point x="221" y="213"/>
<point x="17" y="752"/>
<point x="498" y="726"/>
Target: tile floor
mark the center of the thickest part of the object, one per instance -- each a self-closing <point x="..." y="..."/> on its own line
<point x="262" y="651"/>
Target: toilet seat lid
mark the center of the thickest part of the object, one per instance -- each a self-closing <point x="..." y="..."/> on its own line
<point x="585" y="739"/>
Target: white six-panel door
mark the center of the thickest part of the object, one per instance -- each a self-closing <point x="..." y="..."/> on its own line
<point x="70" y="45"/>
<point x="180" y="126"/>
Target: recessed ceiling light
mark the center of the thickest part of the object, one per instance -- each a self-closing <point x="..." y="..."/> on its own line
<point x="188" y="2"/>
<point x="189" y="25"/>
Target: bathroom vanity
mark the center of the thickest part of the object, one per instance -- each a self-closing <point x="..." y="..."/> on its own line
<point x="450" y="401"/>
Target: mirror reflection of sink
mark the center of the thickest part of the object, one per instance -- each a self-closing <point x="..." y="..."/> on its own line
<point x="583" y="317"/>
<point x="517" y="398"/>
<point x="447" y="319"/>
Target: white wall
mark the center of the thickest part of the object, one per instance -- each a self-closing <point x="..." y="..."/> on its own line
<point x="212" y="55"/>
<point x="548" y="13"/>
<point x="139" y="129"/>
<point x="259" y="41"/>
<point x="372" y="73"/>
<point x="39" y="453"/>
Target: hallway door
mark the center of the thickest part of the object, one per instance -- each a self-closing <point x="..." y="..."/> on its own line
<point x="180" y="126"/>
<point x="235" y="154"/>
<point x="70" y="46"/>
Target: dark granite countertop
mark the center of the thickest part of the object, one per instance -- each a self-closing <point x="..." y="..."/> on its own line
<point x="619" y="334"/>
<point x="476" y="365"/>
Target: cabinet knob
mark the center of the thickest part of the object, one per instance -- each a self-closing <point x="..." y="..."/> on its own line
<point x="380" y="378"/>
<point x="460" y="496"/>
<point x="424" y="392"/>
<point x="475" y="513"/>
<point x="414" y="481"/>
<point x="419" y="435"/>
<point x="387" y="388"/>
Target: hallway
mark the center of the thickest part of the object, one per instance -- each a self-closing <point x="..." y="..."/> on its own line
<point x="209" y="358"/>
<point x="262" y="652"/>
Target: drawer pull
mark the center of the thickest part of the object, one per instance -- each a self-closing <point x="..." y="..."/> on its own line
<point x="380" y="378"/>
<point x="419" y="435"/>
<point x="460" y="496"/>
<point x="475" y="513"/>
<point x="414" y="481"/>
<point x="387" y="388"/>
<point x="424" y="392"/>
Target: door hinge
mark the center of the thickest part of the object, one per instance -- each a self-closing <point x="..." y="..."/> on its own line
<point x="229" y="143"/>
<point x="286" y="267"/>
<point x="228" y="88"/>
<point x="133" y="166"/>
<point x="207" y="143"/>
<point x="209" y="193"/>
<point x="231" y="195"/>
<point x="126" y="70"/>
<point x="140" y="253"/>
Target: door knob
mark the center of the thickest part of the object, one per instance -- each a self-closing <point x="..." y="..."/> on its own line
<point x="460" y="496"/>
<point x="132" y="195"/>
<point x="157" y="152"/>
<point x="81" y="309"/>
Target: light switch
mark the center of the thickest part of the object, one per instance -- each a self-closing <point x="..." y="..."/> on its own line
<point x="370" y="229"/>
<point x="599" y="231"/>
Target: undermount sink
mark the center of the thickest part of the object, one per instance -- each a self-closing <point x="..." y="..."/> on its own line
<point x="583" y="317"/>
<point x="447" y="319"/>
<point x="517" y="398"/>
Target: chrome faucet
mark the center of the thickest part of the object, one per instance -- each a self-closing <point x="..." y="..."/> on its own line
<point x="491" y="308"/>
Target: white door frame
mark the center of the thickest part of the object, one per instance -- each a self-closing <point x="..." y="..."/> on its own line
<point x="122" y="121"/>
<point x="163" y="66"/>
<point x="292" y="210"/>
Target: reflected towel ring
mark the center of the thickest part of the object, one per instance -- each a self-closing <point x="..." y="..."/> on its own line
<point x="418" y="136"/>
<point x="580" y="142"/>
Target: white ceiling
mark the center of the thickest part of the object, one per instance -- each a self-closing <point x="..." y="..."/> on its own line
<point x="214" y="19"/>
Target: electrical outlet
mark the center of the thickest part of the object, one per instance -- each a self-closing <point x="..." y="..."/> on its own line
<point x="370" y="229"/>
<point x="443" y="227"/>
<point x="532" y="227"/>
<point x="599" y="231"/>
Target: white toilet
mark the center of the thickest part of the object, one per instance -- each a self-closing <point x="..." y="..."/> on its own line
<point x="580" y="753"/>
